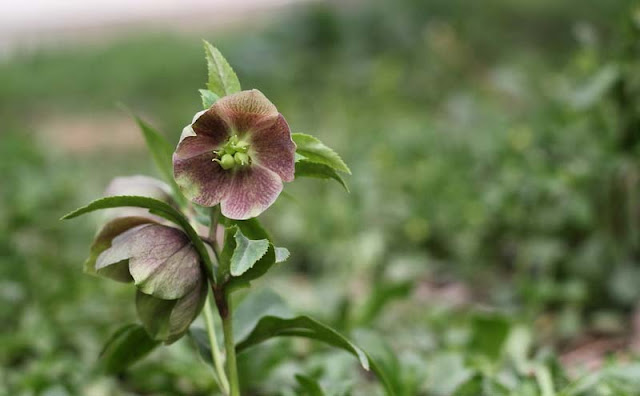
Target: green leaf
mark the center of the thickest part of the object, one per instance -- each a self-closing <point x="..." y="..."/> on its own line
<point x="127" y="345"/>
<point x="222" y="79"/>
<point x="384" y="293"/>
<point x="208" y="98"/>
<point x="317" y="152"/>
<point x="303" y="326"/>
<point x="305" y="168"/>
<point x="247" y="253"/>
<point x="162" y="153"/>
<point x="308" y="386"/>
<point x="254" y="306"/>
<point x="156" y="207"/>
<point x="252" y="229"/>
<point x="490" y="334"/>
<point x="282" y="254"/>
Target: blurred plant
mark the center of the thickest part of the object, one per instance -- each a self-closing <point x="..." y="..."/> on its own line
<point x="230" y="163"/>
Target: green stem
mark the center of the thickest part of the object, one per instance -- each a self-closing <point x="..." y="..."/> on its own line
<point x="216" y="356"/>
<point x="230" y="349"/>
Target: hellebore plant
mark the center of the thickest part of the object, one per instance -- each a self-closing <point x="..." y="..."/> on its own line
<point x="189" y="243"/>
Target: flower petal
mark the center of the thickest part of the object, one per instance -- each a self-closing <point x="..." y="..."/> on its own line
<point x="114" y="268"/>
<point x="202" y="180"/>
<point x="210" y="124"/>
<point x="246" y="110"/>
<point x="252" y="191"/>
<point x="168" y="320"/>
<point x="193" y="146"/>
<point x="273" y="148"/>
<point x="162" y="260"/>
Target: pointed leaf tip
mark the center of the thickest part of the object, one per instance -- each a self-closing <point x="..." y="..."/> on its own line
<point x="222" y="79"/>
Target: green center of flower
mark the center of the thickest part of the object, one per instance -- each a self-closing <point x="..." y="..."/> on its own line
<point x="233" y="154"/>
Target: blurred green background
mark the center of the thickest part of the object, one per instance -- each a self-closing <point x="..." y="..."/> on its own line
<point x="492" y="226"/>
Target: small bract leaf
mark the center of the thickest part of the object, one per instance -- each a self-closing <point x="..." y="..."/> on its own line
<point x="246" y="253"/>
<point x="304" y="168"/>
<point x="208" y="98"/>
<point x="316" y="151"/>
<point x="222" y="79"/>
<point x="127" y="345"/>
<point x="282" y="254"/>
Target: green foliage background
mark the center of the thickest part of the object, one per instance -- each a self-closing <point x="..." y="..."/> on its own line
<point x="494" y="154"/>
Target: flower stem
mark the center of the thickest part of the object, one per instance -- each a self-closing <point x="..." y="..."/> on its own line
<point x="216" y="356"/>
<point x="230" y="348"/>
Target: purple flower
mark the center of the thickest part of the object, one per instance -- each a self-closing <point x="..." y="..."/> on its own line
<point x="135" y="246"/>
<point x="237" y="154"/>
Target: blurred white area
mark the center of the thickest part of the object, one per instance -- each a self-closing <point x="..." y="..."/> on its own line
<point x="32" y="23"/>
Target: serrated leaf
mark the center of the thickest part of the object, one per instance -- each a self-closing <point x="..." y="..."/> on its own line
<point x="208" y="98"/>
<point x="156" y="207"/>
<point x="282" y="254"/>
<point x="247" y="253"/>
<point x="317" y="152"/>
<point x="127" y="345"/>
<point x="222" y="79"/>
<point x="162" y="153"/>
<point x="252" y="229"/>
<point x="303" y="326"/>
<point x="305" y="168"/>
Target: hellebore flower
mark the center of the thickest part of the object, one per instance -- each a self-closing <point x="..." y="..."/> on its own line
<point x="236" y="154"/>
<point x="164" y="266"/>
<point x="135" y="246"/>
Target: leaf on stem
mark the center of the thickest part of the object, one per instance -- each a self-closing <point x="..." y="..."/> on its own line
<point x="306" y="168"/>
<point x="317" y="152"/>
<point x="127" y="345"/>
<point x="222" y="79"/>
<point x="247" y="253"/>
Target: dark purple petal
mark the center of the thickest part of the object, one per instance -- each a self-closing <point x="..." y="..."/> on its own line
<point x="162" y="261"/>
<point x="202" y="180"/>
<point x="273" y="148"/>
<point x="252" y="191"/>
<point x="211" y="124"/>
<point x="246" y="110"/>
<point x="193" y="146"/>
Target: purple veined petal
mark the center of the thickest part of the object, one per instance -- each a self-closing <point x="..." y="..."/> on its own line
<point x="201" y="179"/>
<point x="162" y="260"/>
<point x="252" y="191"/>
<point x="168" y="320"/>
<point x="246" y="110"/>
<point x="187" y="310"/>
<point x="112" y="266"/>
<point x="209" y="123"/>
<point x="273" y="148"/>
<point x="193" y="146"/>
